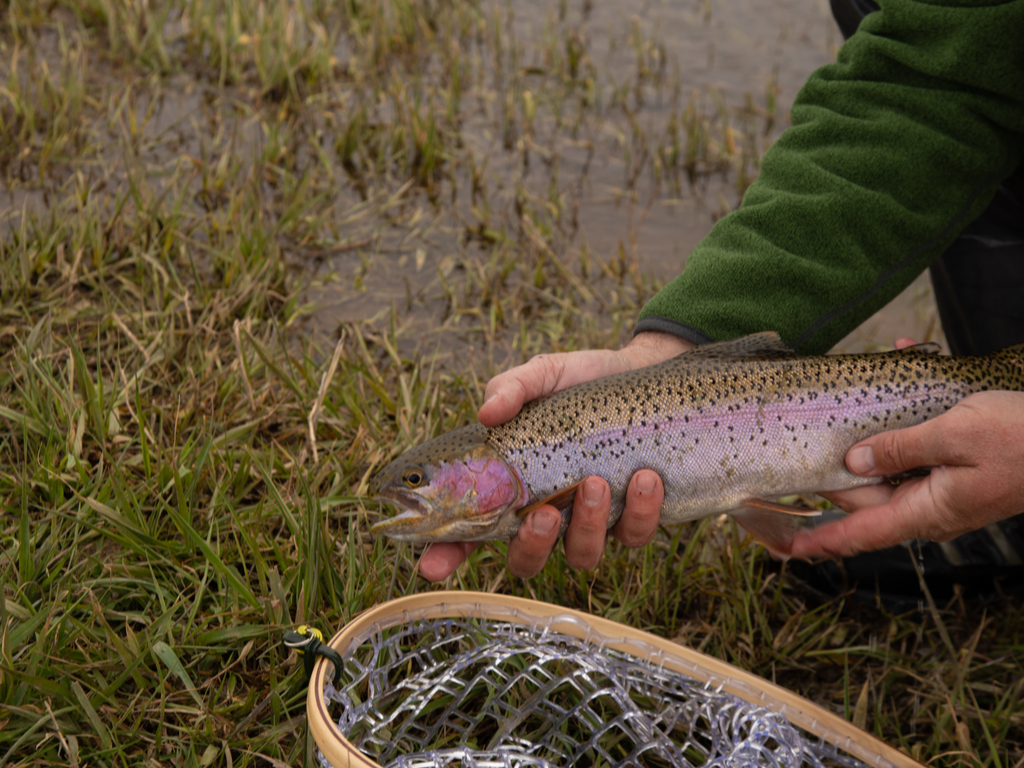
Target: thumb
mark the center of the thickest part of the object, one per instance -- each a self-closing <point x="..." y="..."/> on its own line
<point x="899" y="450"/>
<point x="507" y="392"/>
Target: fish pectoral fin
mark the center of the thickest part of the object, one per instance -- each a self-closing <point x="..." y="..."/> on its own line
<point x="788" y="509"/>
<point x="773" y="524"/>
<point x="560" y="500"/>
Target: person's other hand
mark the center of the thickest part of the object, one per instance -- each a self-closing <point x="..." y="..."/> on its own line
<point x="585" y="540"/>
<point x="976" y="452"/>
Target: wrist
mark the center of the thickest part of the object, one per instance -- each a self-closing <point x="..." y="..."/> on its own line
<point x="650" y="347"/>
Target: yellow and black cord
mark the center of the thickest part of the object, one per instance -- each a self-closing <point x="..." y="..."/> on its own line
<point x="309" y="643"/>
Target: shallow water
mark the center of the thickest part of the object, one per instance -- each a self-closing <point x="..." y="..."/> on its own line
<point x="735" y="61"/>
<point x="734" y="51"/>
<point x="729" y="47"/>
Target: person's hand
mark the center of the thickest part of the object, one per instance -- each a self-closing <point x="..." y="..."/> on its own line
<point x="585" y="540"/>
<point x="976" y="451"/>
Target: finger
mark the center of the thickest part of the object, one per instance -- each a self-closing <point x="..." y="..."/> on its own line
<point x="639" y="522"/>
<point x="588" y="531"/>
<point x="441" y="559"/>
<point x="869" y="529"/>
<point x="506" y="393"/>
<point x="903" y="342"/>
<point x="532" y="546"/>
<point x="899" y="450"/>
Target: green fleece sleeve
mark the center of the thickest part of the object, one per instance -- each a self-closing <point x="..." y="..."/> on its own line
<point x="893" y="150"/>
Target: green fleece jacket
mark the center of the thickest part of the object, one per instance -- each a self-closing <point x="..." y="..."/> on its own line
<point x="893" y="150"/>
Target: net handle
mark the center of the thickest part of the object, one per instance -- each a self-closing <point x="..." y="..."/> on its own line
<point x="432" y="605"/>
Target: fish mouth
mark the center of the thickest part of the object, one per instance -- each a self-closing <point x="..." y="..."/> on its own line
<point x="418" y="522"/>
<point x="414" y="511"/>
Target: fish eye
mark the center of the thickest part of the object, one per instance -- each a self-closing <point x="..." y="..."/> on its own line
<point x="413" y="477"/>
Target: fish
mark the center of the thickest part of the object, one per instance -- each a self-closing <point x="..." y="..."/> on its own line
<point x="731" y="427"/>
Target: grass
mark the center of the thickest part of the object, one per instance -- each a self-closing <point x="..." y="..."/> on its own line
<point x="194" y="191"/>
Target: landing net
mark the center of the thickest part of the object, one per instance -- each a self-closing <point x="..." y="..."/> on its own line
<point x="499" y="694"/>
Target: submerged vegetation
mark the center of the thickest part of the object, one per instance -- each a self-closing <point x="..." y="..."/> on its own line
<point x="253" y="250"/>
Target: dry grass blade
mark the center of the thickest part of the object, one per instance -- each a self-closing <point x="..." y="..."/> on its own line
<point x="315" y="411"/>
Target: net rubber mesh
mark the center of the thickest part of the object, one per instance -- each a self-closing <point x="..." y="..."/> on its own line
<point x="494" y="693"/>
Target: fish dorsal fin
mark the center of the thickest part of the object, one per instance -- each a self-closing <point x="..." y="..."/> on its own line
<point x="927" y="347"/>
<point x="756" y="346"/>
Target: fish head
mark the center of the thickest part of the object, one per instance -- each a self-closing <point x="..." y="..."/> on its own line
<point x="455" y="487"/>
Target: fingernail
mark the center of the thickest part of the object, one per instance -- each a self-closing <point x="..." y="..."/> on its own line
<point x="861" y="460"/>
<point x="645" y="483"/>
<point x="592" y="492"/>
<point x="490" y="397"/>
<point x="544" y="521"/>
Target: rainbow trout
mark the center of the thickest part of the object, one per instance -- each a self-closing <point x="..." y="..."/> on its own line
<point x="729" y="426"/>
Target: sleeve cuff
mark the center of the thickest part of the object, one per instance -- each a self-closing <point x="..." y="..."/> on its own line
<point x="665" y="325"/>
